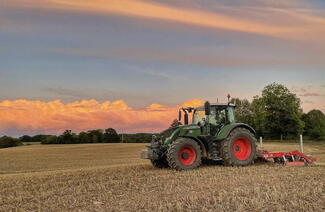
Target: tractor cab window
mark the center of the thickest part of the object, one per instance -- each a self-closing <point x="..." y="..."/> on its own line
<point x="212" y="117"/>
<point x="218" y="116"/>
<point x="198" y="116"/>
<point x="221" y="117"/>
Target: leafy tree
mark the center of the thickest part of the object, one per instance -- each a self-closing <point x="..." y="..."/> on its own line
<point x="315" y="124"/>
<point x="243" y="110"/>
<point x="52" y="139"/>
<point x="138" y="138"/>
<point x="26" y="138"/>
<point x="68" y="138"/>
<point x="96" y="136"/>
<point x="7" y="141"/>
<point x="38" y="138"/>
<point x="259" y="114"/>
<point x="281" y="112"/>
<point x="111" y="136"/>
<point x="84" y="137"/>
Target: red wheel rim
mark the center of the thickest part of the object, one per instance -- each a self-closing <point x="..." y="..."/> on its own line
<point x="242" y="148"/>
<point x="187" y="155"/>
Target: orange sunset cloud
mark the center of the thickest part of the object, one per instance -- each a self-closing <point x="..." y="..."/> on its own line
<point x="32" y="117"/>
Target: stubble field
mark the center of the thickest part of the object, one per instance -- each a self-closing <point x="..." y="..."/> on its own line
<point x="111" y="177"/>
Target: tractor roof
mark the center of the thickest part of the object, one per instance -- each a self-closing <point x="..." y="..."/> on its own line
<point x="221" y="105"/>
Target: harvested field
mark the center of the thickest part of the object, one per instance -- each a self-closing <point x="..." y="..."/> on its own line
<point x="67" y="156"/>
<point x="111" y="177"/>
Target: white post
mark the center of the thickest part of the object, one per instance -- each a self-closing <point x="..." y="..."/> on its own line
<point x="122" y="135"/>
<point x="261" y="142"/>
<point x="301" y="145"/>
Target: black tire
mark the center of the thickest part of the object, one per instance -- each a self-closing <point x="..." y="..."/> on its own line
<point x="177" y="147"/>
<point x="212" y="154"/>
<point x="161" y="163"/>
<point x="228" y="151"/>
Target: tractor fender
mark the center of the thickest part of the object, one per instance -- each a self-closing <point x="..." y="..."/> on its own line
<point x="226" y="130"/>
<point x="201" y="143"/>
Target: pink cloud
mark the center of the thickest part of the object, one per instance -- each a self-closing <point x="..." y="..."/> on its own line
<point x="31" y="117"/>
<point x="309" y="94"/>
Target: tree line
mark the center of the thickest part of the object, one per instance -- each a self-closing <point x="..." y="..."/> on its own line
<point x="108" y="135"/>
<point x="277" y="114"/>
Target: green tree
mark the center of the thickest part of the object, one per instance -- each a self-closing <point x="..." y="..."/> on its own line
<point x="7" y="141"/>
<point x="282" y="112"/>
<point x="68" y="138"/>
<point x="96" y="136"/>
<point x="243" y="111"/>
<point x="259" y="114"/>
<point x="111" y="136"/>
<point x="315" y="124"/>
<point x="84" y="137"/>
<point x="38" y="138"/>
<point x="51" y="139"/>
<point x="25" y="138"/>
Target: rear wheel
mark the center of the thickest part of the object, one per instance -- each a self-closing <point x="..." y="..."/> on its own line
<point x="184" y="154"/>
<point x="239" y="148"/>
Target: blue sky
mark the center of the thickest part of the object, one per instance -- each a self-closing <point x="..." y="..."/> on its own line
<point x="75" y="50"/>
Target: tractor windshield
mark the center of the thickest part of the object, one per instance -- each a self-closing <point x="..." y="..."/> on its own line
<point x="198" y="116"/>
<point x="217" y="116"/>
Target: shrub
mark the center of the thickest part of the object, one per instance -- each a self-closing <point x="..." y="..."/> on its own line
<point x="52" y="139"/>
<point x="7" y="141"/>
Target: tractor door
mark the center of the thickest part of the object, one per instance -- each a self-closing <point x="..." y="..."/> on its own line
<point x="219" y="120"/>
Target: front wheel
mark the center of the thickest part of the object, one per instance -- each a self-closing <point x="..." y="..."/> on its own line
<point x="239" y="148"/>
<point x="184" y="154"/>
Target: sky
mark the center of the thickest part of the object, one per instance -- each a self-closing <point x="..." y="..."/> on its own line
<point x="129" y="64"/>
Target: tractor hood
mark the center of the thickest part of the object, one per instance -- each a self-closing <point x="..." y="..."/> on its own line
<point x="169" y="131"/>
<point x="172" y="133"/>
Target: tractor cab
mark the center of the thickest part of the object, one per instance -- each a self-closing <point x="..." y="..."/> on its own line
<point x="214" y="118"/>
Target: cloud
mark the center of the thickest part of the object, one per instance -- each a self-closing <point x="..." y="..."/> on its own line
<point x="31" y="117"/>
<point x="66" y="92"/>
<point x="305" y="25"/>
<point x="298" y="89"/>
<point x="307" y="94"/>
<point x="309" y="102"/>
<point x="189" y="58"/>
<point x="75" y="94"/>
<point x="305" y="91"/>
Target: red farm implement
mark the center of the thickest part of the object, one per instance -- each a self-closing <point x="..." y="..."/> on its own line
<point x="293" y="158"/>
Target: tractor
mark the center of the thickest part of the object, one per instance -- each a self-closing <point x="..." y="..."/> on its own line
<point x="213" y="136"/>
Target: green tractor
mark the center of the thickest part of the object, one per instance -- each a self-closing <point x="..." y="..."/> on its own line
<point x="213" y="136"/>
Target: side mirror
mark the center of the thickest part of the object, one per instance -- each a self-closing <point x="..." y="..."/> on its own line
<point x="179" y="115"/>
<point x="185" y="118"/>
<point x="207" y="108"/>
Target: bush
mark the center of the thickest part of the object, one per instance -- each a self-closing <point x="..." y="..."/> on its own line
<point x="137" y="138"/>
<point x="26" y="138"/>
<point x="52" y="139"/>
<point x="6" y="141"/>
